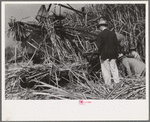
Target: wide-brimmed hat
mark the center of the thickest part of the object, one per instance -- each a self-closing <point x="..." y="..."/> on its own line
<point x="102" y="22"/>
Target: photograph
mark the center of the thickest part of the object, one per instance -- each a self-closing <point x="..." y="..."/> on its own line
<point x="72" y="51"/>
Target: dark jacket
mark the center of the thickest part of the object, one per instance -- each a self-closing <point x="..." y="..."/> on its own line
<point x="107" y="44"/>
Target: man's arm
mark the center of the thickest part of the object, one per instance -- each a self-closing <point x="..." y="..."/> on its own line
<point x="126" y="64"/>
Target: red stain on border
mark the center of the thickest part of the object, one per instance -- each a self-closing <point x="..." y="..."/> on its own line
<point x="81" y="102"/>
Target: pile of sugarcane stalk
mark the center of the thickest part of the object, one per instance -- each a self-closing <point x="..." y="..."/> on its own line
<point x="80" y="86"/>
<point x="129" y="89"/>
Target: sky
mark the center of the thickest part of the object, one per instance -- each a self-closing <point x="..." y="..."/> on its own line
<point x="20" y="11"/>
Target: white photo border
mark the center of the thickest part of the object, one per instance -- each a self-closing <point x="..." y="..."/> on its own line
<point x="58" y="110"/>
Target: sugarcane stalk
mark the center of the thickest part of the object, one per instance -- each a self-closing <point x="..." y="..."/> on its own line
<point x="114" y="90"/>
<point x="134" y="92"/>
<point x="31" y="57"/>
<point x="122" y="91"/>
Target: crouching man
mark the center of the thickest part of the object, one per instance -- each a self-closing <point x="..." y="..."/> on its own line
<point x="132" y="66"/>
